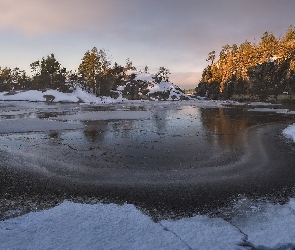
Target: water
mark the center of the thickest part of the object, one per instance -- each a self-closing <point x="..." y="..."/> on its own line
<point x="180" y="161"/>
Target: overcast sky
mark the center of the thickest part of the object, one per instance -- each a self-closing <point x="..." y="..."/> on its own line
<point x="177" y="34"/>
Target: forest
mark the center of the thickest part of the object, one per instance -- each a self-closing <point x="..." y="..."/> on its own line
<point x="95" y="75"/>
<point x="252" y="71"/>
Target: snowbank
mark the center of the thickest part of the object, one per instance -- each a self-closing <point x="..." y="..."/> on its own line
<point x="271" y="227"/>
<point x="78" y="95"/>
<point x="289" y="132"/>
<point x="109" y="226"/>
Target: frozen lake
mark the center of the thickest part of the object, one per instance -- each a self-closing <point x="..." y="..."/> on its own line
<point x="170" y="159"/>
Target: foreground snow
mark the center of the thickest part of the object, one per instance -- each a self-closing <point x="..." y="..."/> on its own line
<point x="101" y="226"/>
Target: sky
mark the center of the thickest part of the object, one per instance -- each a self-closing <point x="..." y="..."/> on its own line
<point x="176" y="34"/>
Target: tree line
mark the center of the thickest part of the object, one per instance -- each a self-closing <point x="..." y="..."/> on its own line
<point x="251" y="70"/>
<point x="95" y="75"/>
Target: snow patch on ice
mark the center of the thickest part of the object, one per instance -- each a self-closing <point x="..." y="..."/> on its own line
<point x="279" y="111"/>
<point x="289" y="132"/>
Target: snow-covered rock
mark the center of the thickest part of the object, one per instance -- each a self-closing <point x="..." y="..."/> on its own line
<point x="144" y="87"/>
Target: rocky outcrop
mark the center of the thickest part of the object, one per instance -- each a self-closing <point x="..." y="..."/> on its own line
<point x="143" y="87"/>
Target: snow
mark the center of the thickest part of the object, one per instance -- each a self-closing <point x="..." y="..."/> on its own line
<point x="273" y="227"/>
<point x="77" y="95"/>
<point x="275" y="110"/>
<point x="289" y="132"/>
<point x="166" y="87"/>
<point x="143" y="76"/>
<point x="109" y="226"/>
<point x="202" y="232"/>
<point x="273" y="58"/>
<point x="80" y="226"/>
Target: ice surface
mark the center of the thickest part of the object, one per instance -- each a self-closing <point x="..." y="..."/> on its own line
<point x="34" y="124"/>
<point x="108" y="115"/>
<point x="109" y="226"/>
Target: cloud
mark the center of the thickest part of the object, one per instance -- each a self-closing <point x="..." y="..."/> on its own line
<point x="185" y="24"/>
<point x="33" y="17"/>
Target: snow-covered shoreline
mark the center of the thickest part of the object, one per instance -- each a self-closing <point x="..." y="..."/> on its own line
<point x="78" y="95"/>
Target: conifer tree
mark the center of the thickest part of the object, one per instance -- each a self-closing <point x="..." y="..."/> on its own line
<point x="48" y="73"/>
<point x="162" y="75"/>
<point x="94" y="65"/>
<point x="211" y="57"/>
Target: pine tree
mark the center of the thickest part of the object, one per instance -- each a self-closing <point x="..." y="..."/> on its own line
<point x="146" y="69"/>
<point x="211" y="57"/>
<point x="129" y="65"/>
<point x="162" y="75"/>
<point x="94" y="65"/>
<point x="48" y="73"/>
